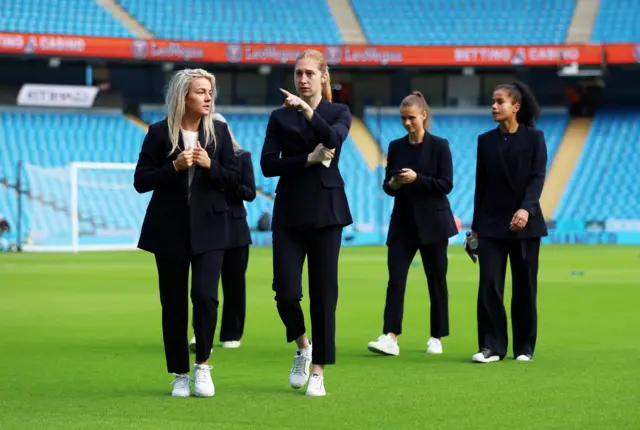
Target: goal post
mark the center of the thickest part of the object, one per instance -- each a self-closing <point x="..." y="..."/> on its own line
<point x="83" y="206"/>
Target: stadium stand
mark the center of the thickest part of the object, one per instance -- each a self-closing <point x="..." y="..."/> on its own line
<point x="70" y="17"/>
<point x="63" y="138"/>
<point x="464" y="22"/>
<point x="462" y="132"/>
<point x="617" y="22"/>
<point x="270" y="21"/>
<point x="605" y="181"/>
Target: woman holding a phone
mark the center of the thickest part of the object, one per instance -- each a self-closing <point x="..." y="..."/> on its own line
<point x="419" y="175"/>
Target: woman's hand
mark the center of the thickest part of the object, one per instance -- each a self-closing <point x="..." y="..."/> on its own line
<point x="201" y="158"/>
<point x="184" y="160"/>
<point x="407" y="176"/>
<point x="320" y="154"/>
<point x="519" y="220"/>
<point x="293" y="101"/>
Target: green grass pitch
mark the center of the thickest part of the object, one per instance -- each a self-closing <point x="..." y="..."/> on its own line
<point x="81" y="348"/>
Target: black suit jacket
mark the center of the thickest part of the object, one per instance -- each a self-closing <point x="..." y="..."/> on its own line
<point x="501" y="189"/>
<point x="239" y="234"/>
<point x="170" y="226"/>
<point x="427" y="195"/>
<point x="307" y="197"/>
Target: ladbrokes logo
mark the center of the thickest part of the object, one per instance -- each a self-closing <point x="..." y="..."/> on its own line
<point x="175" y="50"/>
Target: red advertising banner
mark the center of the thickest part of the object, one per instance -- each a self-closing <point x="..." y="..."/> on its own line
<point x="622" y="53"/>
<point x="344" y="55"/>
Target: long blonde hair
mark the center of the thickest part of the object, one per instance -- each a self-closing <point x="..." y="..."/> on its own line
<point x="322" y="67"/>
<point x="177" y="91"/>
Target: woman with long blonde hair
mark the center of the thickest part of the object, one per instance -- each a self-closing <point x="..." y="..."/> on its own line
<point x="236" y="256"/>
<point x="187" y="160"/>
<point x="302" y="146"/>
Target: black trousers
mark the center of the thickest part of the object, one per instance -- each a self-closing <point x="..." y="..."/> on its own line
<point x="322" y="247"/>
<point x="234" y="290"/>
<point x="173" y="276"/>
<point x="492" y="318"/>
<point x="435" y="262"/>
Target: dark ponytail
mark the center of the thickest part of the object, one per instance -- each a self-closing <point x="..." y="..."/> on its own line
<point x="416" y="98"/>
<point x="529" y="109"/>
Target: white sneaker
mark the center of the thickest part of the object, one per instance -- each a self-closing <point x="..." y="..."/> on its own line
<point x="385" y="345"/>
<point x="231" y="344"/>
<point x="434" y="346"/>
<point x="523" y="357"/>
<point x="300" y="371"/>
<point x="202" y="377"/>
<point x="181" y="385"/>
<point x="316" y="386"/>
<point x="485" y="356"/>
<point x="192" y="345"/>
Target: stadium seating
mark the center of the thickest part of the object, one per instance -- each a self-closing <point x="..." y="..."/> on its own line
<point x="71" y="17"/>
<point x="618" y="21"/>
<point x="270" y="21"/>
<point x="462" y="132"/>
<point x="605" y="182"/>
<point x="464" y="22"/>
<point x="105" y="200"/>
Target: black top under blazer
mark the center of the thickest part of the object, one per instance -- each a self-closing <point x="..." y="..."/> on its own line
<point x="307" y="197"/>
<point x="239" y="233"/>
<point x="510" y="174"/>
<point x="171" y="225"/>
<point x="424" y="202"/>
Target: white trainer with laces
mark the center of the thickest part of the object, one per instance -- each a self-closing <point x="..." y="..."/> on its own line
<point x="434" y="346"/>
<point x="181" y="385"/>
<point x="202" y="378"/>
<point x="299" y="374"/>
<point x="385" y="345"/>
<point x="316" y="386"/>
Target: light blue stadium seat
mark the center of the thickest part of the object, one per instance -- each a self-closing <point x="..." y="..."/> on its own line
<point x="69" y="17"/>
<point x="618" y="21"/>
<point x="604" y="184"/>
<point x="464" y="22"/>
<point x="269" y="21"/>
<point x="462" y="132"/>
<point x="106" y="199"/>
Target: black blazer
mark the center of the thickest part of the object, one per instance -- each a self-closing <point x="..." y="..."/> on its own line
<point x="239" y="234"/>
<point x="170" y="226"/>
<point x="504" y="188"/>
<point x="306" y="197"/>
<point x="426" y="197"/>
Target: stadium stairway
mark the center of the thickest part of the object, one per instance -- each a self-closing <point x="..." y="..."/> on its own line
<point x="366" y="144"/>
<point x="347" y="22"/>
<point x="125" y="19"/>
<point x="583" y="21"/>
<point x="138" y="122"/>
<point x="564" y="163"/>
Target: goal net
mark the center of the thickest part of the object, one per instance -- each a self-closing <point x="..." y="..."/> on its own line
<point x="83" y="206"/>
